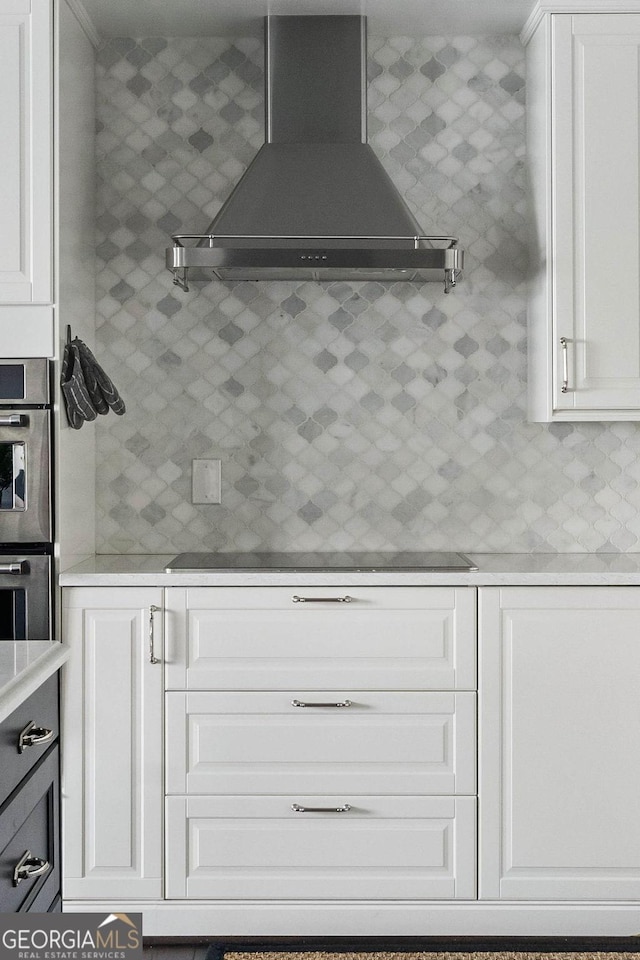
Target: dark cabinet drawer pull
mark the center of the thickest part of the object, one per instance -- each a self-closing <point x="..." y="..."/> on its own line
<point x="33" y="736"/>
<point x="29" y="867"/>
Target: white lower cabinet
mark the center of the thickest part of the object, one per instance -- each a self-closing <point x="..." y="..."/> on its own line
<point x="310" y="847"/>
<point x="560" y="743"/>
<point x="268" y="743"/>
<point x="319" y="759"/>
<point x="112" y="743"/>
<point x="310" y="753"/>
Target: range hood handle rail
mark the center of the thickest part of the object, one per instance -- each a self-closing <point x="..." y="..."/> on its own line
<point x="179" y="237"/>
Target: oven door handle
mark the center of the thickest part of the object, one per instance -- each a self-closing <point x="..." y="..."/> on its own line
<point x="15" y="420"/>
<point x="19" y="568"/>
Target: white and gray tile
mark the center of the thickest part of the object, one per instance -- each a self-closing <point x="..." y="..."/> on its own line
<point x="347" y="415"/>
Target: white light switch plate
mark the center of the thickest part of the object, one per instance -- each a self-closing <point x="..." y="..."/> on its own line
<point x="206" y="477"/>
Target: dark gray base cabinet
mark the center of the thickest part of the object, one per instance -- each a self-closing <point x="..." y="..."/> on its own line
<point x="29" y="812"/>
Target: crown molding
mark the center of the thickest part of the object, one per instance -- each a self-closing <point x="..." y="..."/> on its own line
<point x="80" y="13"/>
<point x="544" y="7"/>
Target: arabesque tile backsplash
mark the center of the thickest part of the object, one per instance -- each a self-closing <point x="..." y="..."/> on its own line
<point x="347" y="415"/>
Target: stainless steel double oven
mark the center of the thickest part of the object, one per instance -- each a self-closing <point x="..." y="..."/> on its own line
<point x="26" y="532"/>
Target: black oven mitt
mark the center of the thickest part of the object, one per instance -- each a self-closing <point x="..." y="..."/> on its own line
<point x="100" y="387"/>
<point x="74" y="389"/>
<point x="86" y="388"/>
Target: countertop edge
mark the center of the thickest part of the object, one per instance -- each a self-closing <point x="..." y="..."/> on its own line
<point x="16" y="690"/>
<point x="493" y="570"/>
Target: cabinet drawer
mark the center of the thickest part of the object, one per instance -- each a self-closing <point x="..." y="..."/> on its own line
<point x="41" y="708"/>
<point x="29" y="822"/>
<point x="383" y="638"/>
<point x="382" y="848"/>
<point x="378" y="743"/>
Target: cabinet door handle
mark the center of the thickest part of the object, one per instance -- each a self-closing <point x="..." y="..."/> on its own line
<point x="303" y="703"/>
<point x="297" y="808"/>
<point x="33" y="736"/>
<point x="152" y="656"/>
<point x="29" y="867"/>
<point x="565" y="365"/>
<point x="296" y="599"/>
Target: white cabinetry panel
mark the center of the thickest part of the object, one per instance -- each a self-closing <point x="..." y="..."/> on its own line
<point x="560" y="743"/>
<point x="584" y="136"/>
<point x="259" y="743"/>
<point x="381" y="848"/>
<point x="385" y="638"/>
<point x="112" y="783"/>
<point x="25" y="153"/>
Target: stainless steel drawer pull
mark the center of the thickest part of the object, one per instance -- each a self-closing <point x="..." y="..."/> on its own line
<point x="152" y="655"/>
<point x="296" y="599"/>
<point x="29" y="867"/>
<point x="565" y="365"/>
<point x="303" y="703"/>
<point x="19" y="568"/>
<point x="33" y="736"/>
<point x="14" y="420"/>
<point x="299" y="809"/>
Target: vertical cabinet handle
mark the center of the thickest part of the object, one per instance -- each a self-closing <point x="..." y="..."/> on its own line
<point x="565" y="365"/>
<point x="152" y="656"/>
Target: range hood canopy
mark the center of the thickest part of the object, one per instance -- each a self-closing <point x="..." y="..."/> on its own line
<point x="315" y="203"/>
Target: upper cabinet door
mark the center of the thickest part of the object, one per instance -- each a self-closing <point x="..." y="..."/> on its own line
<point x="25" y="152"/>
<point x="584" y="141"/>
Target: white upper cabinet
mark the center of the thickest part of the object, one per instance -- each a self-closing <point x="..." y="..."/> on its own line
<point x="25" y="152"/>
<point x="583" y="143"/>
<point x="26" y="185"/>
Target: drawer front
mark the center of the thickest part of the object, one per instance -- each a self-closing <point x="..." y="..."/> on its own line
<point x="29" y="821"/>
<point x="382" y="848"/>
<point x="375" y="743"/>
<point x="41" y="708"/>
<point x="262" y="638"/>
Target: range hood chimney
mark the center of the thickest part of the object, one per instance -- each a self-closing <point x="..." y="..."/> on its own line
<point x="315" y="203"/>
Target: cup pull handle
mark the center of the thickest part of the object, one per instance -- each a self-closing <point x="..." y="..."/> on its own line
<point x="29" y="867"/>
<point x="33" y="736"/>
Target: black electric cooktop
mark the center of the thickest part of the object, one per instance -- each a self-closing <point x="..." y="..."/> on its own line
<point x="368" y="562"/>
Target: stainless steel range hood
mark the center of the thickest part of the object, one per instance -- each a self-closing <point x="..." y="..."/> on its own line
<point x="315" y="203"/>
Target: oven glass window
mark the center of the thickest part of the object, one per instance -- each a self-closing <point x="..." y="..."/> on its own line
<point x="12" y="381"/>
<point x="13" y="616"/>
<point x="13" y="495"/>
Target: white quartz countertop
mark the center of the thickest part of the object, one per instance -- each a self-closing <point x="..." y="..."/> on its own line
<point x="24" y="666"/>
<point x="494" y="569"/>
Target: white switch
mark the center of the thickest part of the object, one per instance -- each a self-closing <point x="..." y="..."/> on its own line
<point x="206" y="479"/>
